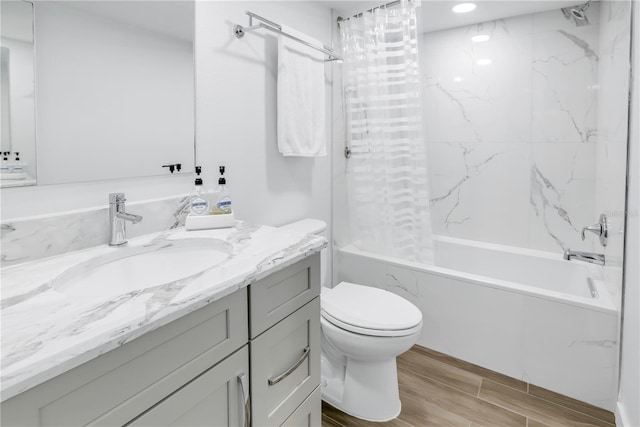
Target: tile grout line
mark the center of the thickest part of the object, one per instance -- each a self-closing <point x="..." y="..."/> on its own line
<point x="334" y="421"/>
<point x="426" y="375"/>
<point x="551" y="403"/>
<point x="450" y="361"/>
<point x="571" y="409"/>
<point x="526" y="417"/>
<point x="442" y="382"/>
<point x="475" y="397"/>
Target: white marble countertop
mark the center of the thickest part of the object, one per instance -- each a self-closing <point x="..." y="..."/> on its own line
<point x="46" y="332"/>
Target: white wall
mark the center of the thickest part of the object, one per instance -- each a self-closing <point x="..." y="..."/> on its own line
<point x="628" y="413"/>
<point x="235" y="126"/>
<point x="236" y="114"/>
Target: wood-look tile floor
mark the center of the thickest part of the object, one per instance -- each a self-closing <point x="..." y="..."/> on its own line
<point x="439" y="390"/>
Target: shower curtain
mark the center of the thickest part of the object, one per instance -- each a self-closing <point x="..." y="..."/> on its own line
<point x="387" y="186"/>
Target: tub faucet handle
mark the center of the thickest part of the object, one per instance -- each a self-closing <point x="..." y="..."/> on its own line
<point x="600" y="229"/>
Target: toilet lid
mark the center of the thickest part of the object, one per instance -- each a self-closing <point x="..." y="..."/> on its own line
<point x="366" y="308"/>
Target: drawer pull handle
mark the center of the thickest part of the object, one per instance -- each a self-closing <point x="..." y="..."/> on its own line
<point x="244" y="386"/>
<point x="285" y="374"/>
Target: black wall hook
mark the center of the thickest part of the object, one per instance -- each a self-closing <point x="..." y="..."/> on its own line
<point x="173" y="167"/>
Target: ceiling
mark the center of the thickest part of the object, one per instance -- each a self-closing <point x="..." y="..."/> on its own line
<point x="437" y="15"/>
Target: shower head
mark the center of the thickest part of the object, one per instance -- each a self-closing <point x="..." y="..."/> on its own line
<point x="578" y="12"/>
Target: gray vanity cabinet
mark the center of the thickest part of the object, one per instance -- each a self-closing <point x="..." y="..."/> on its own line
<point x="199" y="370"/>
<point x="118" y="386"/>
<point x="285" y="346"/>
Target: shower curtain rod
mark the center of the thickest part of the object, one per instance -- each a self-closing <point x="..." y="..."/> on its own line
<point x="239" y="32"/>
<point x="357" y="15"/>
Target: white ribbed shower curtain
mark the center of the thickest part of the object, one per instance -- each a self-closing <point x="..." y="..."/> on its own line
<point x="387" y="172"/>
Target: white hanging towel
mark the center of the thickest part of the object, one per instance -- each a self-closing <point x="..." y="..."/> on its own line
<point x="301" y="103"/>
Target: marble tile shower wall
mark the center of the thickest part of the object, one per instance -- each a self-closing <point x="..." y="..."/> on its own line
<point x="512" y="143"/>
<point x="33" y="238"/>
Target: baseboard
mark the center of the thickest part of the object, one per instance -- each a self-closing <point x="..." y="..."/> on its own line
<point x="621" y="417"/>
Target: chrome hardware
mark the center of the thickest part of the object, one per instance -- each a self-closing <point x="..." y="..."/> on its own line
<point x="285" y="374"/>
<point x="592" y="287"/>
<point x="600" y="229"/>
<point x="117" y="218"/>
<point x="239" y="31"/>
<point x="584" y="256"/>
<point x="246" y="410"/>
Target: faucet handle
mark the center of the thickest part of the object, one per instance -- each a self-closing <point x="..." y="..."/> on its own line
<point x="116" y="198"/>
<point x="595" y="228"/>
<point x="600" y="229"/>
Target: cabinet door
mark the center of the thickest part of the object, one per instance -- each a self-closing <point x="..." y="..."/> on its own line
<point x="214" y="398"/>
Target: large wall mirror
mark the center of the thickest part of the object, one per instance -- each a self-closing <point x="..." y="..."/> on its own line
<point x="17" y="97"/>
<point x="115" y="85"/>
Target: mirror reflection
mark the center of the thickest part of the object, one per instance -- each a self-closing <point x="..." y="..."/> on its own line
<point x="115" y="89"/>
<point x="17" y="98"/>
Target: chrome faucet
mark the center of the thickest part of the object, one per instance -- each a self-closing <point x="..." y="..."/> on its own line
<point x="591" y="257"/>
<point x="117" y="218"/>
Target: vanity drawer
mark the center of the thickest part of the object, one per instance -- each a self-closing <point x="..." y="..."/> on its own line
<point x="309" y="414"/>
<point x="275" y="297"/>
<point x="283" y="375"/>
<point x="111" y="389"/>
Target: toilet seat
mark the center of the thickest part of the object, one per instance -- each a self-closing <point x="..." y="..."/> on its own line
<point x="369" y="311"/>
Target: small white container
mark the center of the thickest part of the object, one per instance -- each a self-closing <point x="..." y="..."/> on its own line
<point x="207" y="222"/>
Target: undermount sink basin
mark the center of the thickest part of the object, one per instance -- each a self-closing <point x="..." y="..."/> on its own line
<point x="135" y="268"/>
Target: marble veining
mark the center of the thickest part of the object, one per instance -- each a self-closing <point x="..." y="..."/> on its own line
<point x="70" y="329"/>
<point x="470" y="170"/>
<point x="545" y="201"/>
<point x="512" y="143"/>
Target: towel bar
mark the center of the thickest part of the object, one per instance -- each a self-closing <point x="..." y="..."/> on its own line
<point x="239" y="32"/>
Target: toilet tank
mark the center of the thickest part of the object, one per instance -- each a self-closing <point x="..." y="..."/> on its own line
<point x="316" y="227"/>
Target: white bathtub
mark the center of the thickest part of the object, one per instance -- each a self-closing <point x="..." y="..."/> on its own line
<point x="525" y="313"/>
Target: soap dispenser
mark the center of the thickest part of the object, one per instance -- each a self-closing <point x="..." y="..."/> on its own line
<point x="198" y="196"/>
<point x="4" y="168"/>
<point x="18" y="166"/>
<point x="220" y="207"/>
<point x="221" y="200"/>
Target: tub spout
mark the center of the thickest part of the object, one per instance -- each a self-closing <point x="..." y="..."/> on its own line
<point x="591" y="257"/>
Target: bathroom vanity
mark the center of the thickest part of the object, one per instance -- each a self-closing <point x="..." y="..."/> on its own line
<point x="235" y="344"/>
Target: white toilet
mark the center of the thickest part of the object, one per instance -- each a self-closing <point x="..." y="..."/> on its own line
<point x="363" y="330"/>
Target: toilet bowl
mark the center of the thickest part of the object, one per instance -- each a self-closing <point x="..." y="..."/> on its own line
<point x="363" y="330"/>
